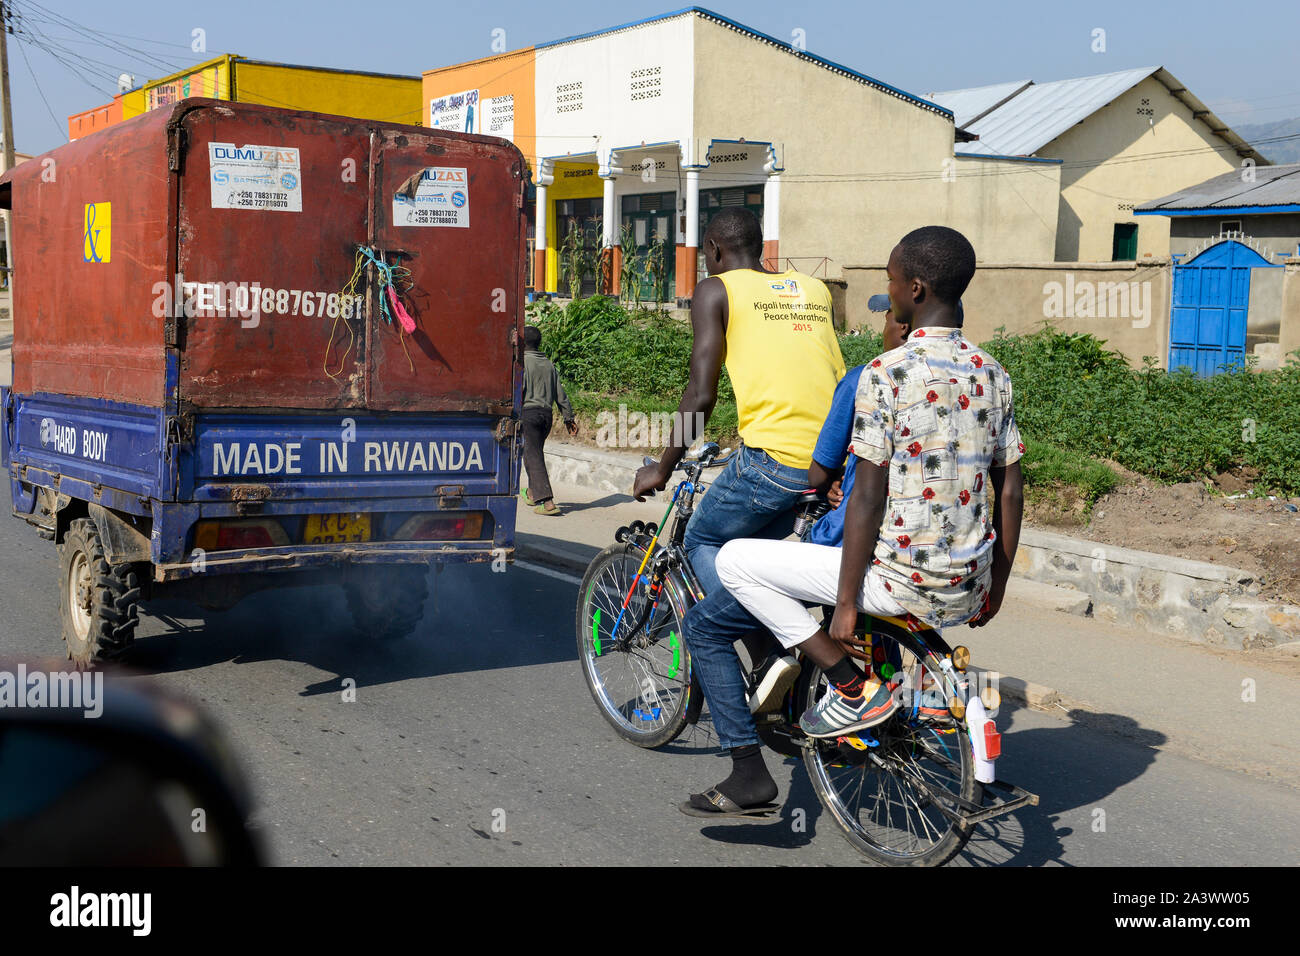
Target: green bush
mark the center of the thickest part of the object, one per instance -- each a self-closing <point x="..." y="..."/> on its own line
<point x="1048" y="469"/>
<point x="1071" y="392"/>
<point x="861" y="349"/>
<point x="599" y="346"/>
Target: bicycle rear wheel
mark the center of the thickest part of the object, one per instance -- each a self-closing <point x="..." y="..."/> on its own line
<point x="640" y="677"/>
<point x="899" y="802"/>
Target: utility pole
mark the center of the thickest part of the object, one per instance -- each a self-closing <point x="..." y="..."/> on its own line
<point x="7" y="156"/>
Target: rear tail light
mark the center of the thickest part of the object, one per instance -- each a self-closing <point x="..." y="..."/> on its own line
<point x="986" y="742"/>
<point x="992" y="742"/>
<point x="442" y="527"/>
<point x="239" y="534"/>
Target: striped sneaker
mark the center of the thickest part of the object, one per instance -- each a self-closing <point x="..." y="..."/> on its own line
<point x="835" y="714"/>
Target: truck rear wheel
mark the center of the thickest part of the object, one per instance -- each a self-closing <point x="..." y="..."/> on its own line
<point x="99" y="604"/>
<point x="387" y="601"/>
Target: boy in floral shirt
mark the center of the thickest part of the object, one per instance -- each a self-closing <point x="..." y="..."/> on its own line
<point x="932" y="529"/>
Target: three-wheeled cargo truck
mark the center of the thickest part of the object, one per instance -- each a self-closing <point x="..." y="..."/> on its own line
<point x="257" y="347"/>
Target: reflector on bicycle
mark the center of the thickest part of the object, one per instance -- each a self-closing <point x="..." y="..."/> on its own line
<point x="992" y="742"/>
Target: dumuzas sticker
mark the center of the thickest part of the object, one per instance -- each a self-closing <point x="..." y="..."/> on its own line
<point x="255" y="177"/>
<point x="436" y="196"/>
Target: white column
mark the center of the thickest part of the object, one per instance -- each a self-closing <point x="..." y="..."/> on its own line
<point x="539" y="242"/>
<point x="545" y="175"/>
<point x="692" y="209"/>
<point x="608" y="215"/>
<point x="772" y="208"/>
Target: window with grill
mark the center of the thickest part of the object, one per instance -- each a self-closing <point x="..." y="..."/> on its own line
<point x="644" y="84"/>
<point x="568" y="97"/>
<point x="649" y="202"/>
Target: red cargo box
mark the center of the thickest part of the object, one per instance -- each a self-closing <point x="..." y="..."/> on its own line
<point x="260" y="212"/>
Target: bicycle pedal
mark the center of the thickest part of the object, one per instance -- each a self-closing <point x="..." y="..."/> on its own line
<point x="651" y="714"/>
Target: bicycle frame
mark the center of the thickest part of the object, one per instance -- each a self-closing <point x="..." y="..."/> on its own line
<point x="674" y="554"/>
<point x="665" y="580"/>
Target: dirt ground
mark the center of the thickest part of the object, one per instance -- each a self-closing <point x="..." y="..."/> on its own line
<point x="1191" y="520"/>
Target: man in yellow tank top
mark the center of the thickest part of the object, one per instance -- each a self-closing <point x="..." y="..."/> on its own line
<point x="774" y="332"/>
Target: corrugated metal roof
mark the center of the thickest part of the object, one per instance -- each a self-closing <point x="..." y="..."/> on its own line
<point x="967" y="105"/>
<point x="1038" y="114"/>
<point x="1273" y="186"/>
<point x="1030" y="118"/>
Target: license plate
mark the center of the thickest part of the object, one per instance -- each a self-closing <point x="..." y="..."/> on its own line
<point x="337" y="529"/>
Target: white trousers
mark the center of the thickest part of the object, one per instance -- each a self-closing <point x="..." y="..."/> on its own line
<point x="773" y="579"/>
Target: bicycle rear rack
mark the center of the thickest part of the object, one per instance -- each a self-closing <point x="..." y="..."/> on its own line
<point x="963" y="811"/>
<point x="1022" y="798"/>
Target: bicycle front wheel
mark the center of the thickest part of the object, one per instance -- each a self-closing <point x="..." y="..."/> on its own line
<point x="639" y="676"/>
<point x="900" y="801"/>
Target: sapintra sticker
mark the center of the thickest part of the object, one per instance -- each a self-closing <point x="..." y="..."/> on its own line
<point x="255" y="177"/>
<point x="436" y="196"/>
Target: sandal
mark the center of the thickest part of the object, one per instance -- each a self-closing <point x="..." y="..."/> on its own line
<point x="726" y="807"/>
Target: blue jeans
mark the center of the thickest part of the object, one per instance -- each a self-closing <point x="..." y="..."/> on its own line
<point x="754" y="497"/>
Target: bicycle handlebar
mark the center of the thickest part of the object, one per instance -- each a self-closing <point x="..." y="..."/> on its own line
<point x="686" y="462"/>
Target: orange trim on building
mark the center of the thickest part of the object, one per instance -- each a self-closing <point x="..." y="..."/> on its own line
<point x="686" y="264"/>
<point x="93" y="120"/>
<point x="615" y="255"/>
<point x="539" y="270"/>
<point x="507" y="74"/>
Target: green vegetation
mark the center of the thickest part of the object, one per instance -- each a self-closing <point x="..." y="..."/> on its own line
<point x="1075" y="399"/>
<point x="1067" y="481"/>
<point x="1073" y="392"/>
<point x="609" y="356"/>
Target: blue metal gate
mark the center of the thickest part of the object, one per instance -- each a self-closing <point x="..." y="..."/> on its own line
<point x="1207" y="324"/>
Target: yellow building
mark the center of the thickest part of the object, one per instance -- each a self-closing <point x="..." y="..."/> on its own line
<point x="375" y="96"/>
<point x="1121" y="139"/>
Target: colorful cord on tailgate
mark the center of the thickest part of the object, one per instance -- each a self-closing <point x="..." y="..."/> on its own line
<point x="391" y="278"/>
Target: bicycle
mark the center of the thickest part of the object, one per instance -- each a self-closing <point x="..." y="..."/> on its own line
<point x="906" y="792"/>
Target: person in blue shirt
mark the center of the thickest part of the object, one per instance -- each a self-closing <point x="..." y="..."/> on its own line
<point x="829" y="460"/>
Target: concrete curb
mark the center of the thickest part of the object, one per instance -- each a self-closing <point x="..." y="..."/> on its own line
<point x="591" y="467"/>
<point x="1198" y="602"/>
<point x="1193" y="600"/>
<point x="1034" y="696"/>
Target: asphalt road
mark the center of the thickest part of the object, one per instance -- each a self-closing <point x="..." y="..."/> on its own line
<point x="483" y="716"/>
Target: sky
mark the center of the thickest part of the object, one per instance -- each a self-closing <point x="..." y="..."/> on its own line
<point x="1240" y="61"/>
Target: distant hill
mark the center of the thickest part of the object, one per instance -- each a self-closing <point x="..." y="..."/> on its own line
<point x="1284" y="152"/>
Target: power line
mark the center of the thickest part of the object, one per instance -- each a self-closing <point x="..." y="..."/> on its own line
<point x="27" y="37"/>
<point x="103" y="38"/>
<point x="55" y="48"/>
<point x="62" y="129"/>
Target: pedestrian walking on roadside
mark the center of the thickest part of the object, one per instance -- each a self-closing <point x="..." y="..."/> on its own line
<point x="542" y="389"/>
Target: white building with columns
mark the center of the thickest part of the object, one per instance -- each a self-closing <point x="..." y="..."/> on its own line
<point x="653" y="126"/>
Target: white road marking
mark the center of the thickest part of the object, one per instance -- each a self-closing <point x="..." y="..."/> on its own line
<point x="549" y="572"/>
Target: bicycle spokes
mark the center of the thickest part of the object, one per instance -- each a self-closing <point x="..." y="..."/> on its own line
<point x="632" y="648"/>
